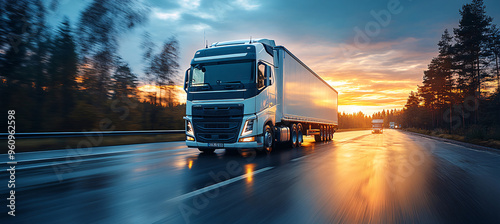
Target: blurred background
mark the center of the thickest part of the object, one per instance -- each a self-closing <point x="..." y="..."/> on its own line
<point x="102" y="65"/>
<point x="69" y="76"/>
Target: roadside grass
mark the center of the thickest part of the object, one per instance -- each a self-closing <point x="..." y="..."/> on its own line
<point x="473" y="135"/>
<point x="30" y="145"/>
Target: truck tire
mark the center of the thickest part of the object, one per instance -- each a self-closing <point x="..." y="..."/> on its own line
<point x="325" y="137"/>
<point x="323" y="133"/>
<point x="293" y="136"/>
<point x="300" y="136"/>
<point x="319" y="138"/>
<point x="206" y="150"/>
<point x="329" y="133"/>
<point x="268" y="139"/>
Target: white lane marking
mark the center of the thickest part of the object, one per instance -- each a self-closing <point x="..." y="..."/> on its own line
<point x="83" y="159"/>
<point x="444" y="140"/>
<point x="469" y="148"/>
<point x="217" y="185"/>
<point x="78" y="156"/>
<point x="299" y="158"/>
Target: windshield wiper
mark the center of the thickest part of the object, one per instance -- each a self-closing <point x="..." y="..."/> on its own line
<point x="202" y="86"/>
<point x="232" y="84"/>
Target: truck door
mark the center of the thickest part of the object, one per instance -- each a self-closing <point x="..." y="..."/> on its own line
<point x="265" y="85"/>
<point x="270" y="79"/>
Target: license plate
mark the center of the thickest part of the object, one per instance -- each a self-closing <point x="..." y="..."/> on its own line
<point x="215" y="144"/>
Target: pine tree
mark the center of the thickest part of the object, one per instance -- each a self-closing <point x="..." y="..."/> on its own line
<point x="124" y="82"/>
<point x="494" y="46"/>
<point x="101" y="25"/>
<point x="63" y="71"/>
<point x="163" y="67"/>
<point x="471" y="48"/>
<point x="38" y="65"/>
<point x="471" y="44"/>
<point x="438" y="85"/>
<point x="16" y="29"/>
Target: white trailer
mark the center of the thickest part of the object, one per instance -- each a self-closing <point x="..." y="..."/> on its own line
<point x="253" y="94"/>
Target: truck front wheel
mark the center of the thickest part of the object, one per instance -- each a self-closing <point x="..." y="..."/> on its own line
<point x="268" y="138"/>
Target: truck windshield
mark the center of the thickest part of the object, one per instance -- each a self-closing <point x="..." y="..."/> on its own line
<point x="222" y="75"/>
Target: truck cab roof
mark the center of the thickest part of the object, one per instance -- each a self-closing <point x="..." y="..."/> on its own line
<point x="244" y="41"/>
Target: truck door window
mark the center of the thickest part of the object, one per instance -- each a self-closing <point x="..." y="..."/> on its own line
<point x="269" y="73"/>
<point x="261" y="76"/>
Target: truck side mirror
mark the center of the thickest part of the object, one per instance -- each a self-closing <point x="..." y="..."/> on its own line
<point x="186" y="78"/>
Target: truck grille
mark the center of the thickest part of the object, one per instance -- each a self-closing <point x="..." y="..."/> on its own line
<point x="217" y="123"/>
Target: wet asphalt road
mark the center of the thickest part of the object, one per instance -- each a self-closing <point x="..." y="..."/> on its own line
<point x="357" y="178"/>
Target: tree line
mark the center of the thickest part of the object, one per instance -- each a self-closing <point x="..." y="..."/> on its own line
<point x="360" y="120"/>
<point x="460" y="88"/>
<point x="71" y="77"/>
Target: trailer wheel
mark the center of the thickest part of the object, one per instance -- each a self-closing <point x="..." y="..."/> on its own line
<point x="293" y="136"/>
<point x="323" y="133"/>
<point x="319" y="138"/>
<point x="300" y="136"/>
<point x="329" y="133"/>
<point x="268" y="138"/>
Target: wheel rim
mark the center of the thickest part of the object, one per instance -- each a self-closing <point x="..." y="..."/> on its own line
<point x="323" y="134"/>
<point x="269" y="138"/>
<point x="326" y="133"/>
<point x="300" y="138"/>
<point x="294" y="135"/>
<point x="329" y="133"/>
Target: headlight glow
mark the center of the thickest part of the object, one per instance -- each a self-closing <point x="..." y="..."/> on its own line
<point x="247" y="139"/>
<point x="189" y="128"/>
<point x="248" y="128"/>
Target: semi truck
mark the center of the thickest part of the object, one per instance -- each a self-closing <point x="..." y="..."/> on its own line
<point x="377" y="126"/>
<point x="254" y="94"/>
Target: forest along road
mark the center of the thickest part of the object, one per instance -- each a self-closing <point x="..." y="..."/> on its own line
<point x="359" y="177"/>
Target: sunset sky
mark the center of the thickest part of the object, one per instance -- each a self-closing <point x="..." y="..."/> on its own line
<point x="376" y="72"/>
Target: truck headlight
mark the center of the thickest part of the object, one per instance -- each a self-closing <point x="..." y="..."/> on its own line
<point x="189" y="128"/>
<point x="248" y="127"/>
<point x="247" y="139"/>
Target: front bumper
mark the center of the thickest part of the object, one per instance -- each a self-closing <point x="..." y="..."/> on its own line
<point x="237" y="145"/>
